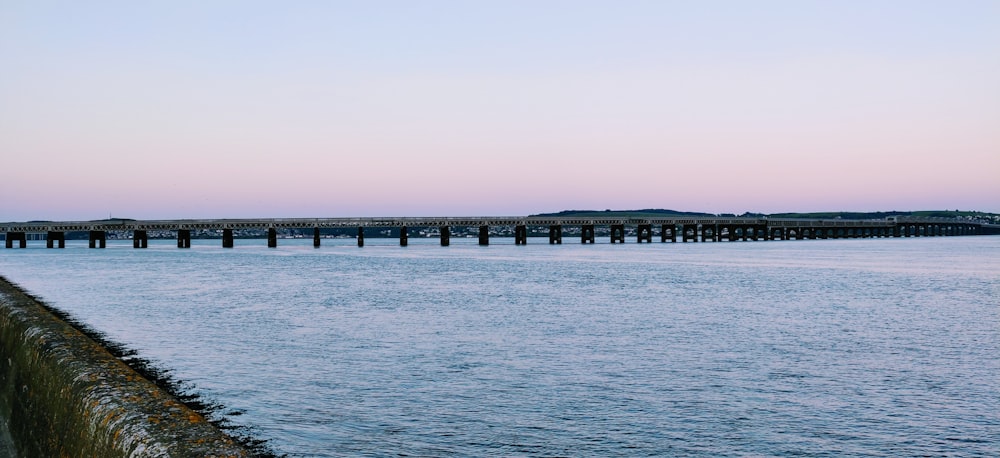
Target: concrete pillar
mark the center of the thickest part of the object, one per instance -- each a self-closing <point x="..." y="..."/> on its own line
<point x="689" y="233"/>
<point x="183" y="238"/>
<point x="709" y="232"/>
<point x="520" y="235"/>
<point x="668" y="230"/>
<point x="227" y="238"/>
<point x="484" y="235"/>
<point x="730" y="232"/>
<point x="316" y="237"/>
<point x="617" y="233"/>
<point x="776" y="233"/>
<point x="140" y="239"/>
<point x="587" y="233"/>
<point x="403" y="236"/>
<point x="53" y="237"/>
<point x="98" y="239"/>
<point x="361" y="236"/>
<point x="555" y="234"/>
<point x="16" y="237"/>
<point x="445" y="235"/>
<point x="644" y="233"/>
<point x="272" y="237"/>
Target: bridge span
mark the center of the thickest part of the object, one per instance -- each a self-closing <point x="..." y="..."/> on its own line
<point x="687" y="229"/>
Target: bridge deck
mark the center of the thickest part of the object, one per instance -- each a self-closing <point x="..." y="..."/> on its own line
<point x="268" y="223"/>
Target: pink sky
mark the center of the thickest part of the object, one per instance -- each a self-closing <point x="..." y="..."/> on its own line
<point x="244" y="109"/>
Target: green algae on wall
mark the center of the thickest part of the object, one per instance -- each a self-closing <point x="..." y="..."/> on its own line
<point x="64" y="395"/>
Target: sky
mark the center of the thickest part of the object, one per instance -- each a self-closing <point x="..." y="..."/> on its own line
<point x="247" y="109"/>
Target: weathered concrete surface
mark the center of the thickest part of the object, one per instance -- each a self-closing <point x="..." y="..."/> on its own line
<point x="6" y="443"/>
<point x="64" y="395"/>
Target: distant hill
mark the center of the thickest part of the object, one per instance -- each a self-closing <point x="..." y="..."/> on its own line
<point x="650" y="212"/>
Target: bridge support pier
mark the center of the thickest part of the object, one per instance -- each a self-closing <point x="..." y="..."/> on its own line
<point x="709" y="232"/>
<point x="227" y="238"/>
<point x="689" y="233"/>
<point x="555" y="234"/>
<point x="617" y="233"/>
<point x="484" y="235"/>
<point x="272" y="237"/>
<point x="587" y="233"/>
<point x="98" y="239"/>
<point x="520" y="234"/>
<point x="316" y="237"/>
<point x="644" y="233"/>
<point x="727" y="232"/>
<point x="403" y="237"/>
<point x="776" y="233"/>
<point x="140" y="239"/>
<point x="183" y="238"/>
<point x="445" y="235"/>
<point x="19" y="237"/>
<point x="361" y="236"/>
<point x="55" y="236"/>
<point x="668" y="231"/>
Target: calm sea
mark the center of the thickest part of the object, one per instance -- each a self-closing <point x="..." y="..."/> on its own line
<point x="886" y="347"/>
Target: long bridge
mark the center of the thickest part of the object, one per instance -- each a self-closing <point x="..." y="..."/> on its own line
<point x="687" y="229"/>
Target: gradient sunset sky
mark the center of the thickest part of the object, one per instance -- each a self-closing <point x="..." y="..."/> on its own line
<point x="228" y="109"/>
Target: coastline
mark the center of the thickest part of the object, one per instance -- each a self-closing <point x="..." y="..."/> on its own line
<point x="72" y="395"/>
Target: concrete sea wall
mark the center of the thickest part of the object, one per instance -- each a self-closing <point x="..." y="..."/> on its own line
<point x="64" y="395"/>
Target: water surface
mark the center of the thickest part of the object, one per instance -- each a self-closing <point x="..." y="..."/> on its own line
<point x="821" y="347"/>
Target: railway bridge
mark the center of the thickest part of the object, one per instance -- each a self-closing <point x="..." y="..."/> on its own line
<point x="672" y="229"/>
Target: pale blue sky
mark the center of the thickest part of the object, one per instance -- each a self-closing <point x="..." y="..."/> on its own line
<point x="242" y="109"/>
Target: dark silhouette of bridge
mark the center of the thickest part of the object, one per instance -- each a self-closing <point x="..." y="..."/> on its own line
<point x="672" y="229"/>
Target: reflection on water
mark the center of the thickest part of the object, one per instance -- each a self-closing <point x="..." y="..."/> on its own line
<point x="837" y="347"/>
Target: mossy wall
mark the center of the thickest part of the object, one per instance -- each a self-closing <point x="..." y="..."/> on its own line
<point x="64" y="395"/>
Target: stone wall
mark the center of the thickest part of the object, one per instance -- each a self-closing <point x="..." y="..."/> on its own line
<point x="64" y="395"/>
